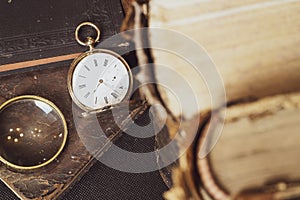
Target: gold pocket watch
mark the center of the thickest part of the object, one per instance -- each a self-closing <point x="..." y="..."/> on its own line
<point x="98" y="78"/>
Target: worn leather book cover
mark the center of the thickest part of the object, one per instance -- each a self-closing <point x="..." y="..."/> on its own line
<point x="35" y="29"/>
<point x="37" y="45"/>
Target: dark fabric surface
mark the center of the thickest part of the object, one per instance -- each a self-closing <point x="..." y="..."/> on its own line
<point x="5" y="193"/>
<point x="102" y="182"/>
<point x="105" y="183"/>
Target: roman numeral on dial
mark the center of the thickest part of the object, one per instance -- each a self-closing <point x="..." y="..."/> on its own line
<point x="96" y="63"/>
<point x="106" y="100"/>
<point x="114" y="95"/>
<point x="87" y="68"/>
<point x="105" y="62"/>
<point x="87" y="95"/>
<point x="82" y="86"/>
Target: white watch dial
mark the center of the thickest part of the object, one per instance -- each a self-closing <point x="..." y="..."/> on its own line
<point x="100" y="79"/>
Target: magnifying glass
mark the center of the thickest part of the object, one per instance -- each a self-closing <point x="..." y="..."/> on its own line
<point x="33" y="132"/>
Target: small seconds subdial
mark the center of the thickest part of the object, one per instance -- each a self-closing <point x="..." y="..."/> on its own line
<point x="101" y="79"/>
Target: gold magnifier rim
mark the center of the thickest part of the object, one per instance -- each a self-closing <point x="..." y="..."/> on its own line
<point x="52" y="105"/>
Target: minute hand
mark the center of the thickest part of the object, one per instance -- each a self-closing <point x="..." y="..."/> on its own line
<point x="111" y="87"/>
<point x="100" y="78"/>
<point x="107" y="67"/>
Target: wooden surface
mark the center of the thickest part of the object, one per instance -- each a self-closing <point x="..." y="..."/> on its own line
<point x="254" y="44"/>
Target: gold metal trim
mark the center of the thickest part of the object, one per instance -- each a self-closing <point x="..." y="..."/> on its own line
<point x="90" y="41"/>
<point x="34" y="97"/>
<point x="33" y="63"/>
<point x="74" y="65"/>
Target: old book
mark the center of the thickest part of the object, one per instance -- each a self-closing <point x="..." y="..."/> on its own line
<point x="255" y="158"/>
<point x="258" y="148"/>
<point x="33" y="30"/>
<point x="255" y="47"/>
<point x="254" y="44"/>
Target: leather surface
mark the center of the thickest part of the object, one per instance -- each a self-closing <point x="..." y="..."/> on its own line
<point x="51" y="180"/>
<point x="32" y="29"/>
<point x="48" y="180"/>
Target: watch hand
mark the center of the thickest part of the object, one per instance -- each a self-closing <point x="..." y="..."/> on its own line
<point x="100" y="81"/>
<point x="111" y="87"/>
<point x="108" y="85"/>
<point x="115" y="92"/>
<point x="101" y="75"/>
<point x="107" y="67"/>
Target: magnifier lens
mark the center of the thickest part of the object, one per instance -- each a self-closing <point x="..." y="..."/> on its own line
<point x="32" y="132"/>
